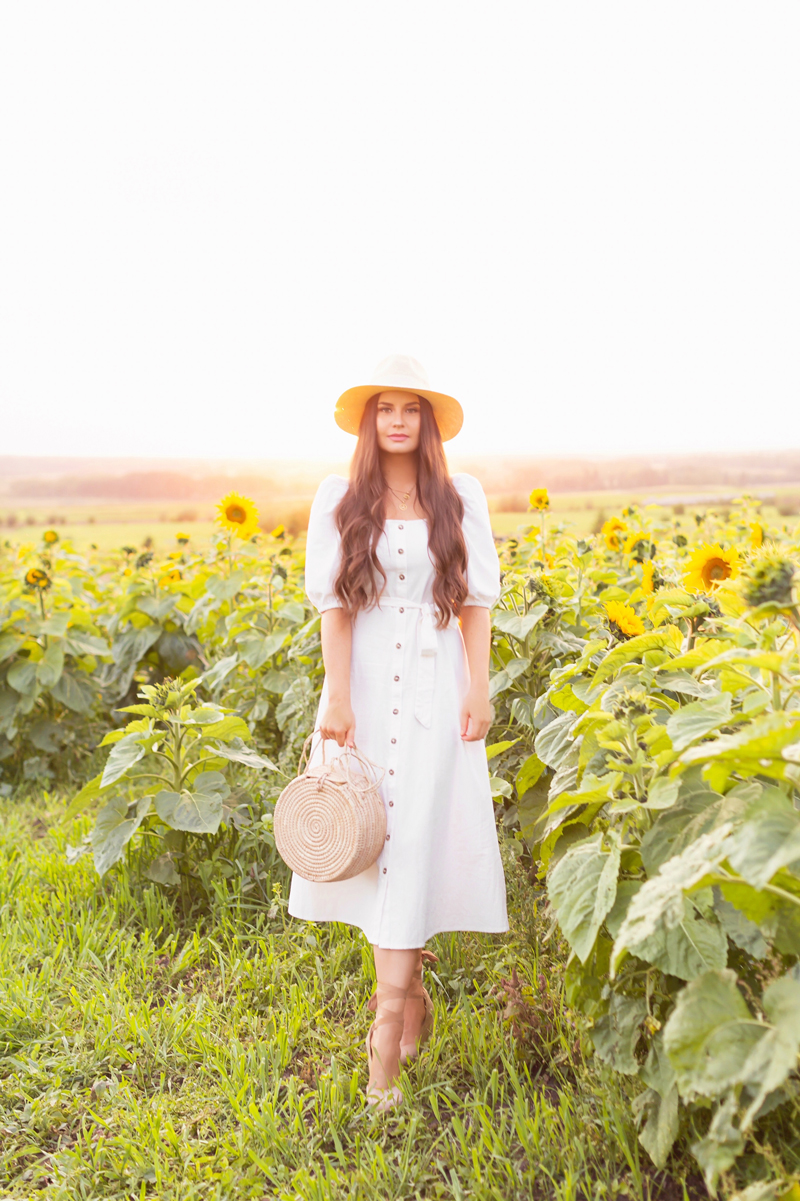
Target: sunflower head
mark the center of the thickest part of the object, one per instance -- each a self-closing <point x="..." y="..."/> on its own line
<point x="145" y="559"/>
<point x="756" y="534"/>
<point x="638" y="546"/>
<point x="238" y="515"/>
<point x="37" y="580"/>
<point x="50" y="537"/>
<point x="539" y="499"/>
<point x="278" y="532"/>
<point x="623" y="622"/>
<point x="769" y="580"/>
<point x="632" y="702"/>
<point x="612" y="531"/>
<point x="170" y="577"/>
<point x="181" y="538"/>
<point x="648" y="570"/>
<point x="129" y="550"/>
<point x="710" y="565"/>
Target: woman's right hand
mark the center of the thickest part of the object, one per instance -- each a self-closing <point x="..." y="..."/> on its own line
<point x="339" y="722"/>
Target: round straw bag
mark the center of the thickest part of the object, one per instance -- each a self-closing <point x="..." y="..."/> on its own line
<point x="330" y="823"/>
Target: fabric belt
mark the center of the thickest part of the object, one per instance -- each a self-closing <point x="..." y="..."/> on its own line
<point x="427" y="649"/>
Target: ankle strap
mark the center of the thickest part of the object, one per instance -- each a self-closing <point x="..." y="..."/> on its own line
<point x="389" y="992"/>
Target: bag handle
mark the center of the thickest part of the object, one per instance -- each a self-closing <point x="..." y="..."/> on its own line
<point x="370" y="772"/>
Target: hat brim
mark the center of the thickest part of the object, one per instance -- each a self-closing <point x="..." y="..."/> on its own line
<point x="351" y="404"/>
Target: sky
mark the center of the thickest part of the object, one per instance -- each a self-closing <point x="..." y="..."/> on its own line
<point x="583" y="218"/>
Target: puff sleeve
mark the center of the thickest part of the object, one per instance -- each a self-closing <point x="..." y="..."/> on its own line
<point x="483" y="566"/>
<point x="323" y="544"/>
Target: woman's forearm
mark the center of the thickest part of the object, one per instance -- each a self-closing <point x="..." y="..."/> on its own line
<point x="476" y="712"/>
<point x="476" y="628"/>
<point x="337" y="640"/>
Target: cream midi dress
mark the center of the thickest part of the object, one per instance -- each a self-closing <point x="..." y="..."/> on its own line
<point x="440" y="867"/>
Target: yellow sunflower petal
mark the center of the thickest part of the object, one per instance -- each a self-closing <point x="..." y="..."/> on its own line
<point x="238" y="515"/>
<point x="709" y="565"/>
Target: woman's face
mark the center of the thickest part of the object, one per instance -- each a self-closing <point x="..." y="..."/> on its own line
<point x="397" y="422"/>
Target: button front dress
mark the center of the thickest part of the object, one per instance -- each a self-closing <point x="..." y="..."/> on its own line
<point x="440" y="867"/>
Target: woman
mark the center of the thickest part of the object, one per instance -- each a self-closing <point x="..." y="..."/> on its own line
<point x="395" y="557"/>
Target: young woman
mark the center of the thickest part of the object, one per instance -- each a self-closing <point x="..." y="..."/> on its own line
<point x="401" y="564"/>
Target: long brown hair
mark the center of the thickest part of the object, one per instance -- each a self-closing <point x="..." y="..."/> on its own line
<point x="360" y="520"/>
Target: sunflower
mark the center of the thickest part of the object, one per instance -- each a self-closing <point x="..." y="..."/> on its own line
<point x="238" y="515"/>
<point x="769" y="580"/>
<point x="171" y="577"/>
<point x="710" y="565"/>
<point x="181" y="538"/>
<point x="647" y="577"/>
<point x="50" y="537"/>
<point x="638" y="545"/>
<point x="278" y="532"/>
<point x="37" y="580"/>
<point x="756" y="534"/>
<point x="624" y="623"/>
<point x="612" y="531"/>
<point x="539" y="499"/>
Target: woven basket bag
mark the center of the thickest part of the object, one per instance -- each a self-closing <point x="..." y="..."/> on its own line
<point x="330" y="822"/>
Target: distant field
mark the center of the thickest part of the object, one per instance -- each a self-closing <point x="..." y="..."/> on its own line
<point x="114" y="525"/>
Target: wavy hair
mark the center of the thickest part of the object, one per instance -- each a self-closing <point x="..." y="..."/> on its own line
<point x="360" y="519"/>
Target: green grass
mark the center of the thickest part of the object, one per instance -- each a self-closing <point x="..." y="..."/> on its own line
<point x="222" y="1056"/>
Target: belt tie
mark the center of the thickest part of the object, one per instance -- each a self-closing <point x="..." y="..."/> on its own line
<point x="427" y="649"/>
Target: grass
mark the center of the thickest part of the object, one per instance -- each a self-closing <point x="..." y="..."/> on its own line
<point x="222" y="1055"/>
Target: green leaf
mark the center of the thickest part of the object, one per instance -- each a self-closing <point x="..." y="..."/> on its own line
<point x="515" y="626"/>
<point x="775" y="1056"/>
<point x="205" y="715"/>
<point x="143" y="710"/>
<point x="626" y="652"/>
<point x="662" y="793"/>
<point x="658" y="1106"/>
<point x="553" y="742"/>
<point x="124" y="754"/>
<point x="74" y="692"/>
<point x="497" y="748"/>
<point x="582" y="887"/>
<point x="768" y="840"/>
<point x="9" y="642"/>
<point x="238" y="753"/>
<point x="257" y="649"/>
<point x="499" y="786"/>
<point x="709" y="1035"/>
<point x="22" y="676"/>
<point x="162" y="871"/>
<point x="225" y="588"/>
<point x="722" y="1145"/>
<point x="683" y="683"/>
<point x="291" y="611"/>
<point x="198" y="811"/>
<point x="696" y="720"/>
<point x="50" y="666"/>
<point x="114" y="828"/>
<point x="616" y="1033"/>
<point x="660" y="925"/>
<point x="83" y="798"/>
<point x="528" y="774"/>
<point x="739" y="929"/>
<point x="763" y="738"/>
<point x="230" y="727"/>
<point x="221" y="669"/>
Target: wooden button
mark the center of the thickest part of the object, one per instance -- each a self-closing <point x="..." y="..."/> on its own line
<point x="395" y="711"/>
<point x="399" y="527"/>
<point x="391" y="804"/>
<point x="388" y="836"/>
<point x="391" y="771"/>
<point x="394" y="740"/>
<point x="402" y="577"/>
<point x="384" y="871"/>
<point x="401" y="551"/>
<point x="397" y="645"/>
<point x="402" y="610"/>
<point x="396" y="678"/>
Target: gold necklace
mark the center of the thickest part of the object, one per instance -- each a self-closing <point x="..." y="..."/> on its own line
<point x="402" y="497"/>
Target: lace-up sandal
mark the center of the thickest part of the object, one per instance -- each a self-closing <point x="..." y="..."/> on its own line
<point x="416" y="992"/>
<point x="384" y="1099"/>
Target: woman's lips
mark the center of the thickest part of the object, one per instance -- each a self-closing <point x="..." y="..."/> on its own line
<point x="398" y="437"/>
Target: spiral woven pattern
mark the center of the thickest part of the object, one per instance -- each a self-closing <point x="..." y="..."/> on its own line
<point x="325" y="829"/>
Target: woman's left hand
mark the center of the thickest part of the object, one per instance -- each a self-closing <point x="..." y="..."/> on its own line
<point x="476" y="716"/>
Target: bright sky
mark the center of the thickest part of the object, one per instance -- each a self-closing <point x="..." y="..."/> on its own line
<point x="583" y="218"/>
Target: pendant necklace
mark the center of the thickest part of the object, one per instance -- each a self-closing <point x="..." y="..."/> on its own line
<point x="402" y="497"/>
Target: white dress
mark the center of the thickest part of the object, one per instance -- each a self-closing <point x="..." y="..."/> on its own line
<point x="440" y="868"/>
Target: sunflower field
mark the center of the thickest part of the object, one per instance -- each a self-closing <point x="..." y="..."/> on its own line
<point x="644" y="759"/>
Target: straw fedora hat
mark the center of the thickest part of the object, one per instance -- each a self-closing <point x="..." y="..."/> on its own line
<point x="405" y="374"/>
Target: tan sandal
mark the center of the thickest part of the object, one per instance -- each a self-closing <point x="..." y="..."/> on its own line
<point x="410" y="1051"/>
<point x="384" y="1099"/>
